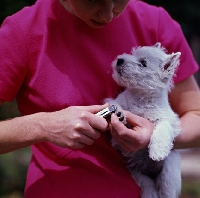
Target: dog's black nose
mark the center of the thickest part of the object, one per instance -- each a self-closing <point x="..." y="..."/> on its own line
<point x="120" y="61"/>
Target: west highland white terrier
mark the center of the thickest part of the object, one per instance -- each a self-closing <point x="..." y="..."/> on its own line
<point x="147" y="75"/>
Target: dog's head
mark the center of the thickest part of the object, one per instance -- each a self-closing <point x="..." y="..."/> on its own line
<point x="148" y="67"/>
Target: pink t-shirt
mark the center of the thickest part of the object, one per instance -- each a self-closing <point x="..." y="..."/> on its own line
<point x="50" y="60"/>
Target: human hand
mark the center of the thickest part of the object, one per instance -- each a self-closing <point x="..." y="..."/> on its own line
<point x="74" y="127"/>
<point x="134" y="138"/>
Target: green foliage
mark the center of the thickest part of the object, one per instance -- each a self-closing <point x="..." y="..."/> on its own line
<point x="13" y="166"/>
<point x="8" y="7"/>
<point x="13" y="170"/>
<point x="190" y="188"/>
<point x="184" y="11"/>
<point x="8" y="110"/>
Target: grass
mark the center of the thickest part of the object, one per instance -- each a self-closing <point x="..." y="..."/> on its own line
<point x="190" y="188"/>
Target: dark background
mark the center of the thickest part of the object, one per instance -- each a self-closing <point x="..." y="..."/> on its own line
<point x="13" y="166"/>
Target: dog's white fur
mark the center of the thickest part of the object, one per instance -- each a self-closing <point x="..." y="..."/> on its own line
<point x="147" y="74"/>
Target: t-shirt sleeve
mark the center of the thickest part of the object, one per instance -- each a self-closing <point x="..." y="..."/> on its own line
<point x="13" y="59"/>
<point x="173" y="39"/>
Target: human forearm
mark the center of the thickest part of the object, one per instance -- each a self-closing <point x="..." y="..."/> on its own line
<point x="73" y="127"/>
<point x="185" y="101"/>
<point x="20" y="132"/>
<point x="190" y="134"/>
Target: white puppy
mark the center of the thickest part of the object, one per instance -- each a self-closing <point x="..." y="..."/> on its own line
<point x="147" y="75"/>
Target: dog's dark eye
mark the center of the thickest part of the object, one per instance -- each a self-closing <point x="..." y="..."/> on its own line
<point x="144" y="63"/>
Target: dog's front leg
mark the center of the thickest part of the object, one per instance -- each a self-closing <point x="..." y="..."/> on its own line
<point x="161" y="141"/>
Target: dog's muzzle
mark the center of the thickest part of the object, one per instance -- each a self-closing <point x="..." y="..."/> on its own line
<point x="119" y="66"/>
<point x="120" y="61"/>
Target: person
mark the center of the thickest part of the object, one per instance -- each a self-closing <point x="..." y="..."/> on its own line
<point x="55" y="59"/>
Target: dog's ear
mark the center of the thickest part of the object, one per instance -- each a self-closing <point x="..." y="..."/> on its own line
<point x="172" y="62"/>
<point x="170" y="65"/>
<point x="157" y="45"/>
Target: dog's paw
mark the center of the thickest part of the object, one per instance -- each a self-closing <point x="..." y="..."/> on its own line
<point x="157" y="153"/>
<point x="119" y="113"/>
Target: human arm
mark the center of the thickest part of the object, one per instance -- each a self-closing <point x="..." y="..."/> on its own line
<point x="73" y="127"/>
<point x="185" y="101"/>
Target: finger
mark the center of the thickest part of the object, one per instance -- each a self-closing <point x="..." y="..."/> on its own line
<point x="119" y="128"/>
<point x="95" y="121"/>
<point x="78" y="145"/>
<point x="73" y="145"/>
<point x="79" y="139"/>
<point x="124" y="146"/>
<point x="140" y="124"/>
<point x="86" y="129"/>
<point x="94" y="108"/>
<point x="127" y="145"/>
<point x="122" y="133"/>
<point x="86" y="140"/>
<point x="92" y="133"/>
<point x="134" y="120"/>
<point x="98" y="122"/>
